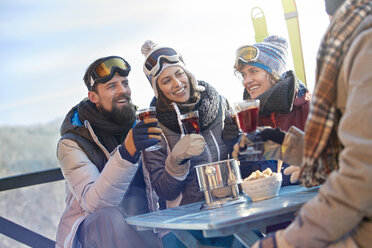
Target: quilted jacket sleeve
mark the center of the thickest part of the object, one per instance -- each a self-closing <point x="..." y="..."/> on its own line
<point x="92" y="189"/>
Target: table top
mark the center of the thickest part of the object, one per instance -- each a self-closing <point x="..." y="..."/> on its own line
<point x="190" y="217"/>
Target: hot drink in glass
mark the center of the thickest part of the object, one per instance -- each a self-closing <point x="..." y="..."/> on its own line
<point x="190" y="122"/>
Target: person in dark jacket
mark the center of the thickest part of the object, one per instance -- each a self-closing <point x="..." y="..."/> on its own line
<point x="284" y="100"/>
<point x="98" y="154"/>
<point x="171" y="168"/>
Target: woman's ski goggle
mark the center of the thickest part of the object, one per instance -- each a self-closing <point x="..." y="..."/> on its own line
<point x="106" y="70"/>
<point x="154" y="61"/>
<point x="247" y="54"/>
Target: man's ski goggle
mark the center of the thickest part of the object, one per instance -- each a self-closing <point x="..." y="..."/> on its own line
<point x="154" y="61"/>
<point x="247" y="54"/>
<point x="106" y="70"/>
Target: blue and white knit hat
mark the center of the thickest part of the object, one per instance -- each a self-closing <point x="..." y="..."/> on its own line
<point x="272" y="55"/>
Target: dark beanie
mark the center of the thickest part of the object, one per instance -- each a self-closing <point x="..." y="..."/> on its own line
<point x="332" y="6"/>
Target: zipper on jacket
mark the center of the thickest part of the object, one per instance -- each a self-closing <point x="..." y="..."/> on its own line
<point x="208" y="153"/>
<point x="216" y="144"/>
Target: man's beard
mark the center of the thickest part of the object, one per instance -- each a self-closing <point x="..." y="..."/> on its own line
<point x="122" y="116"/>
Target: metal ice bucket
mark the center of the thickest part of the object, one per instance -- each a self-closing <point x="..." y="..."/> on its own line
<point x="216" y="175"/>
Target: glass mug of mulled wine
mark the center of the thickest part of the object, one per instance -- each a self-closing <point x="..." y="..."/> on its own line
<point x="190" y="122"/>
<point x="247" y="112"/>
<point x="145" y="113"/>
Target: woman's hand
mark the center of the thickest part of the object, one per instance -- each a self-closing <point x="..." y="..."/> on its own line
<point x="188" y="146"/>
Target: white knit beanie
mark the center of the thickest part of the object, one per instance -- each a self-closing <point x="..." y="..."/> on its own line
<point x="147" y="49"/>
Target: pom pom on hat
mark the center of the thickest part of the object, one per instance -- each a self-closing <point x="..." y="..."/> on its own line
<point x="147" y="49"/>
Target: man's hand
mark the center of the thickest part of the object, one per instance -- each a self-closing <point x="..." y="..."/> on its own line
<point x="144" y="134"/>
<point x="188" y="146"/>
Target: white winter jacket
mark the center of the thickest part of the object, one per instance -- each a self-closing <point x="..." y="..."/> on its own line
<point x="88" y="190"/>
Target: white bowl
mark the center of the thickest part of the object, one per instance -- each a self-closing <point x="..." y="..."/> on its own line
<point x="263" y="188"/>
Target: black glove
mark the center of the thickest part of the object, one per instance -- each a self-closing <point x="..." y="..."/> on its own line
<point x="275" y="135"/>
<point x="230" y="133"/>
<point x="272" y="138"/>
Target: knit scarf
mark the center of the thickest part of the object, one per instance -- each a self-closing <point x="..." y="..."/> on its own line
<point x="322" y="146"/>
<point x="110" y="133"/>
<point x="207" y="106"/>
<point x="280" y="97"/>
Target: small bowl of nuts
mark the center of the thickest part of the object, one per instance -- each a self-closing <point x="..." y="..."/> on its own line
<point x="262" y="185"/>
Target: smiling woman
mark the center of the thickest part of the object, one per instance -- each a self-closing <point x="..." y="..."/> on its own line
<point x="284" y="100"/>
<point x="171" y="168"/>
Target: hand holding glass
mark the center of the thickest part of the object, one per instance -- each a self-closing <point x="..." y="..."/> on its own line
<point x="143" y="114"/>
<point x="247" y="112"/>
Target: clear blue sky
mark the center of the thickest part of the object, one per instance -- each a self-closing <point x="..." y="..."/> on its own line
<point x="45" y="46"/>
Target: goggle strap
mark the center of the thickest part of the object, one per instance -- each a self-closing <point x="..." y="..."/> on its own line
<point x="91" y="81"/>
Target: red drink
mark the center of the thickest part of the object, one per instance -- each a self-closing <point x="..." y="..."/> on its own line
<point x="248" y="119"/>
<point x="191" y="124"/>
<point x="146" y="113"/>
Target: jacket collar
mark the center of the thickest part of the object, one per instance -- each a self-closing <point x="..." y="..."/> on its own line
<point x="281" y="98"/>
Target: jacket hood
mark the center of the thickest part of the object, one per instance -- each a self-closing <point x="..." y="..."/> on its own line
<point x="72" y="124"/>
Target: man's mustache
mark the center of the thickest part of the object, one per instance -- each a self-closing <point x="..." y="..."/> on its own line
<point x="122" y="96"/>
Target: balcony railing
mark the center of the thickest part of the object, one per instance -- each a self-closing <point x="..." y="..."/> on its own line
<point x="16" y="231"/>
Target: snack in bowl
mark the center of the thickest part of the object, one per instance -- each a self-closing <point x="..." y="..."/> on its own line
<point x="262" y="185"/>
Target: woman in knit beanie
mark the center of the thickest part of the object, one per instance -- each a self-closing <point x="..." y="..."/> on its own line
<point x="284" y="100"/>
<point x="171" y="171"/>
<point x="337" y="140"/>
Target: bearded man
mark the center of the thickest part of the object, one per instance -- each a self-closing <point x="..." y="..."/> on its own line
<point x="98" y="154"/>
